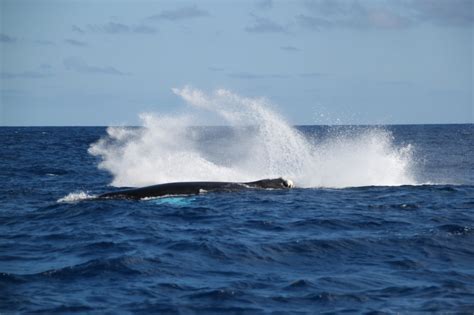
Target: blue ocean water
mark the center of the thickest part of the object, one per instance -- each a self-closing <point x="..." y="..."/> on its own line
<point x="366" y="249"/>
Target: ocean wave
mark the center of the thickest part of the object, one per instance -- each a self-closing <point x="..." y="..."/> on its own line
<point x="124" y="265"/>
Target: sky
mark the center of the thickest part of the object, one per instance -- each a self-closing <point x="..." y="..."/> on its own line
<point x="104" y="62"/>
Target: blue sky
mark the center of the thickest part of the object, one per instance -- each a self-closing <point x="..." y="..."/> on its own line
<point x="318" y="62"/>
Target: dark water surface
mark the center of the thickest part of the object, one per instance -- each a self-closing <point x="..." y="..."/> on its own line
<point x="390" y="249"/>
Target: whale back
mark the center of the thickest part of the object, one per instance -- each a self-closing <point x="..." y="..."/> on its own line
<point x="194" y="188"/>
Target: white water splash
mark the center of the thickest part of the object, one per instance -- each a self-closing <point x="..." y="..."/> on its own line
<point x="76" y="196"/>
<point x="168" y="149"/>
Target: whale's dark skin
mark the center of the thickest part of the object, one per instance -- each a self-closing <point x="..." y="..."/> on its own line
<point x="194" y="188"/>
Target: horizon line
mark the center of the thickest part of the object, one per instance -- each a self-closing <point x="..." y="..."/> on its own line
<point x="295" y="125"/>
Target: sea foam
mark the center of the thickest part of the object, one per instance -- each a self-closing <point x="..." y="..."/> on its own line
<point x="262" y="144"/>
<point x="76" y="196"/>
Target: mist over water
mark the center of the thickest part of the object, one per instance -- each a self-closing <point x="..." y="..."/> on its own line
<point x="258" y="143"/>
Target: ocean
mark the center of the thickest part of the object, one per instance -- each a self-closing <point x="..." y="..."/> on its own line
<point x="381" y="220"/>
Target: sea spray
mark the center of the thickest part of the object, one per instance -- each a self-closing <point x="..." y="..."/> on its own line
<point x="359" y="157"/>
<point x="76" y="196"/>
<point x="257" y="143"/>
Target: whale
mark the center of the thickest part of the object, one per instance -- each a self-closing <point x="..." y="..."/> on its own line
<point x="194" y="188"/>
